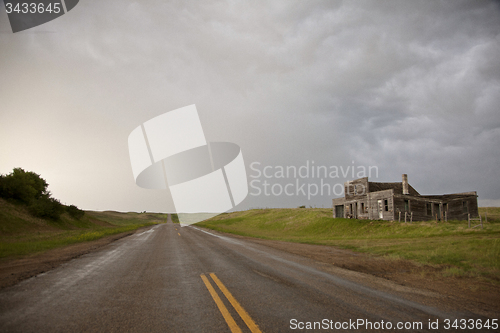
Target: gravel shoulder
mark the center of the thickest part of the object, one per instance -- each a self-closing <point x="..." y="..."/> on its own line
<point x="16" y="270"/>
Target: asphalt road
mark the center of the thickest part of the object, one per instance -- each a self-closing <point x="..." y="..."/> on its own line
<point x="173" y="279"/>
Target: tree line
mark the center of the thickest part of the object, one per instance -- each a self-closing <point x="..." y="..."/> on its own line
<point x="29" y="189"/>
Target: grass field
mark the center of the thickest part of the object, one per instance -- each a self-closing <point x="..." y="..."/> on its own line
<point x="458" y="250"/>
<point x="130" y="218"/>
<point x="21" y="234"/>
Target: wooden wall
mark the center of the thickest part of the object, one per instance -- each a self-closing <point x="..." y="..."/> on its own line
<point x="356" y="189"/>
<point x="357" y="194"/>
<point x="374" y="197"/>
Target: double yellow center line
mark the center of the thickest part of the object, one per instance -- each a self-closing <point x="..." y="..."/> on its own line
<point x="222" y="308"/>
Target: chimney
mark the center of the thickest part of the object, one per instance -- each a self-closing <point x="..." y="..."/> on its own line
<point x="405" y="184"/>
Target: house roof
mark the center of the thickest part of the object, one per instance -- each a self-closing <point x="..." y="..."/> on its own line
<point x="397" y="187"/>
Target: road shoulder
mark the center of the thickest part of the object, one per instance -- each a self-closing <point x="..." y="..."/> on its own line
<point x="424" y="282"/>
<point x="15" y="270"/>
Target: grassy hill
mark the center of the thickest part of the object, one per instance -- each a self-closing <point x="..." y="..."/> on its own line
<point x="23" y="234"/>
<point x="461" y="251"/>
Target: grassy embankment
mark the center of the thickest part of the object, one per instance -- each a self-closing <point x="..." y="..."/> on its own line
<point x="458" y="250"/>
<point x="22" y="234"/>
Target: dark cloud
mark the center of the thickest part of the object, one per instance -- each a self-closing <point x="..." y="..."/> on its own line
<point x="410" y="87"/>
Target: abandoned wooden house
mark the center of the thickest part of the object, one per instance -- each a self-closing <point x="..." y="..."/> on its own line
<point x="390" y="201"/>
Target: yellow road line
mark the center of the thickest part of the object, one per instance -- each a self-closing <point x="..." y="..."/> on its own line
<point x="178" y="234"/>
<point x="243" y="314"/>
<point x="222" y="308"/>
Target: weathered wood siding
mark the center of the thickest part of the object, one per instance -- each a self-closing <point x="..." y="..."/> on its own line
<point x="417" y="206"/>
<point x="356" y="189"/>
<point x="337" y="202"/>
<point x="361" y="201"/>
<point x="447" y="205"/>
<point x="374" y="197"/>
<point x="456" y="210"/>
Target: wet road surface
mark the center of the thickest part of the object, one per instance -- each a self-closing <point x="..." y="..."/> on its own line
<point x="173" y="279"/>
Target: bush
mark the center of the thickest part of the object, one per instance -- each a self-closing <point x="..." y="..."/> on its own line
<point x="75" y="212"/>
<point x="46" y="207"/>
<point x="30" y="189"/>
<point x="22" y="186"/>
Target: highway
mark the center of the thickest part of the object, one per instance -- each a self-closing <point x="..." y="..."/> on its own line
<point x="173" y="279"/>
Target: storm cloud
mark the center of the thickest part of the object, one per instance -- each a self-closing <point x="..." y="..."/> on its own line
<point x="409" y="87"/>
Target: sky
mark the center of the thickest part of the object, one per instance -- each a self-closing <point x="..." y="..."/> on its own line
<point x="399" y="86"/>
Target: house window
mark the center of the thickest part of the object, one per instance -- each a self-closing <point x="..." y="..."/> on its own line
<point x="465" y="207"/>
<point x="362" y="207"/>
<point x="407" y="205"/>
<point x="429" y="208"/>
<point x="386" y="205"/>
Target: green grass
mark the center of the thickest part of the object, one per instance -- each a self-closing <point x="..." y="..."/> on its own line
<point x="40" y="243"/>
<point x="492" y="213"/>
<point x="451" y="245"/>
<point x="130" y="218"/>
<point x="22" y="234"/>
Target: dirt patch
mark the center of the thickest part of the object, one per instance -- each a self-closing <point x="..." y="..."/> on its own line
<point x="473" y="294"/>
<point x="13" y="271"/>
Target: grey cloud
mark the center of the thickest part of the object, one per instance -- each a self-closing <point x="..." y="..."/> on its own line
<point x="412" y="87"/>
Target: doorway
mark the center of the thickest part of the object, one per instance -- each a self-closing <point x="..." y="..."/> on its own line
<point x="380" y="210"/>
